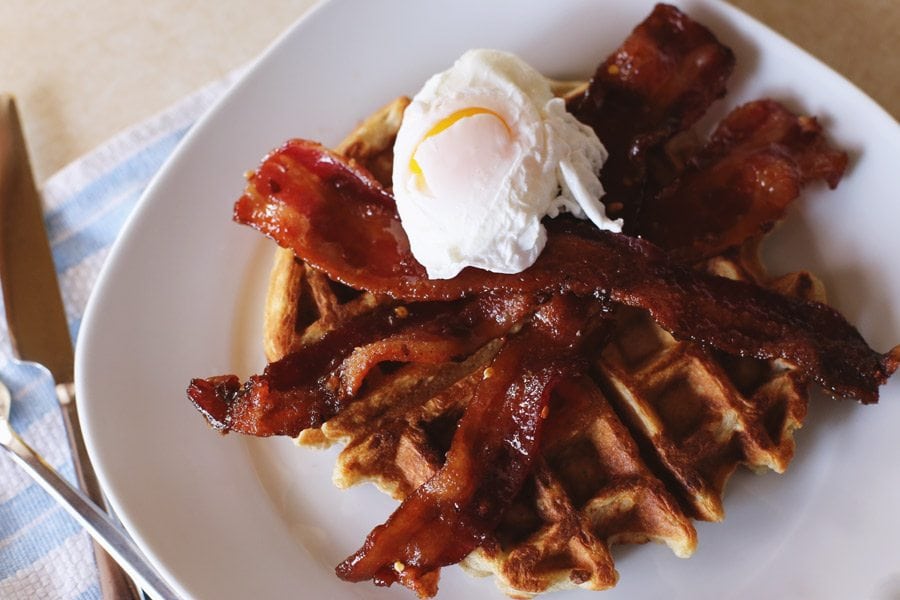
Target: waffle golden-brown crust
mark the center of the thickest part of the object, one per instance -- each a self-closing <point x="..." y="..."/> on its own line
<point x="629" y="455"/>
<point x="701" y="414"/>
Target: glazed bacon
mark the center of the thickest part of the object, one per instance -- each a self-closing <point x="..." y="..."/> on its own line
<point x="490" y="456"/>
<point x="741" y="182"/>
<point x="308" y="387"/>
<point x="302" y="186"/>
<point x="659" y="82"/>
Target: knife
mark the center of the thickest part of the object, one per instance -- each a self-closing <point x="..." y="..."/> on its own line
<point x="38" y="328"/>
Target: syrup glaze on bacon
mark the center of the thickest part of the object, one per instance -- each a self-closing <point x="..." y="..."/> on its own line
<point x="490" y="456"/>
<point x="659" y="82"/>
<point x="734" y="317"/>
<point x="306" y="388"/>
<point x="741" y="182"/>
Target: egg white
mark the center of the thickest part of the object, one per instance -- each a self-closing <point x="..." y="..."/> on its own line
<point x="484" y="152"/>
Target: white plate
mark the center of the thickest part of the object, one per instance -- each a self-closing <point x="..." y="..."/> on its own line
<point x="181" y="296"/>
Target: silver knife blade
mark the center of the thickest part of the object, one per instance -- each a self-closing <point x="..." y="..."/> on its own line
<point x="34" y="308"/>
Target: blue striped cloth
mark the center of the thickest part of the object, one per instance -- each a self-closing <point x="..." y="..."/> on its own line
<point x="43" y="552"/>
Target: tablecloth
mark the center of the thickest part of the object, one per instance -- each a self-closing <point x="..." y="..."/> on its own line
<point x="43" y="552"/>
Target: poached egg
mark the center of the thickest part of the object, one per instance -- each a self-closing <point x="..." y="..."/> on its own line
<point x="483" y="153"/>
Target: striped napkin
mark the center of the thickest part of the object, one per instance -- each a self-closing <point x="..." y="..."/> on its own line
<point x="44" y="554"/>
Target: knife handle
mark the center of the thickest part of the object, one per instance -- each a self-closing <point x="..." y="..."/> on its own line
<point x="115" y="584"/>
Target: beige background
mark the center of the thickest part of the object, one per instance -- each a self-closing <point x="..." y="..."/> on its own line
<point x="84" y="69"/>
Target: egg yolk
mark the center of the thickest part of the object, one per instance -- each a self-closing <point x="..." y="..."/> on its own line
<point x="448" y="122"/>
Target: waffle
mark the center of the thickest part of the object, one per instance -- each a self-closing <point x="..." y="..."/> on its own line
<point x="699" y="414"/>
<point x="629" y="454"/>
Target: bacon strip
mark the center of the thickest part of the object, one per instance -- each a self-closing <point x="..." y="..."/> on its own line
<point x="659" y="82"/>
<point x="489" y="459"/>
<point x="740" y="184"/>
<point x="302" y="185"/>
<point x="306" y="388"/>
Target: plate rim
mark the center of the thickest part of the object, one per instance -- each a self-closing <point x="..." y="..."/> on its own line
<point x="198" y="131"/>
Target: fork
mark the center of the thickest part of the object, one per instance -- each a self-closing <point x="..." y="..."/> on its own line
<point x="96" y="522"/>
